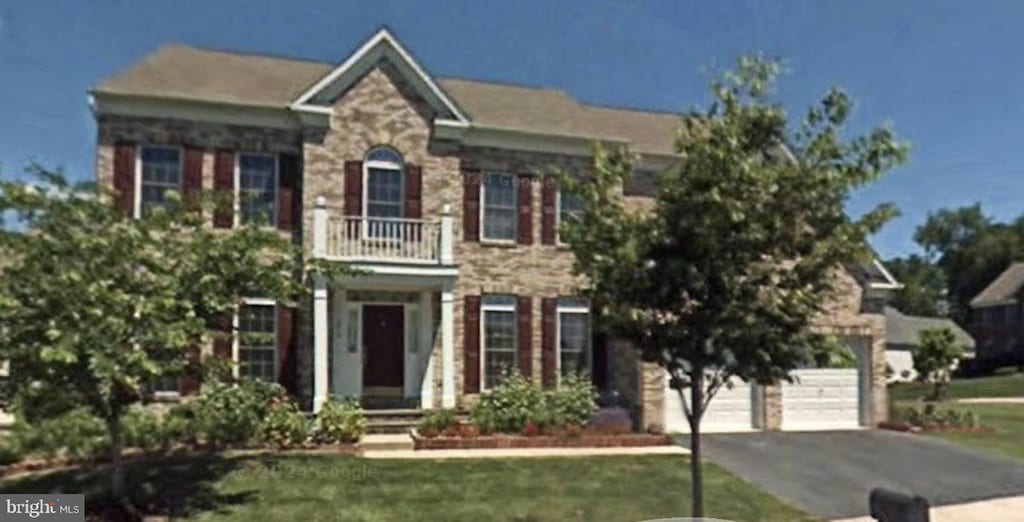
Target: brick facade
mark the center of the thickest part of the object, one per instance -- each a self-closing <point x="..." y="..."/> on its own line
<point x="381" y="109"/>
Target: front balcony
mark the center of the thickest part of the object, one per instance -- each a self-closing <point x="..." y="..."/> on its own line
<point x="361" y="239"/>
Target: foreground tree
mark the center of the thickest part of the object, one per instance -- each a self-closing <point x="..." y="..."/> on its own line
<point x="96" y="306"/>
<point x="924" y="286"/>
<point x="936" y="352"/>
<point x="724" y="276"/>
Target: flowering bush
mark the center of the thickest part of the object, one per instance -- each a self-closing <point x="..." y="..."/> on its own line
<point x="339" y="423"/>
<point x="284" y="425"/>
<point x="436" y="422"/>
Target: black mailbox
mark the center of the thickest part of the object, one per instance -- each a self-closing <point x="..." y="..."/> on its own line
<point x="892" y="506"/>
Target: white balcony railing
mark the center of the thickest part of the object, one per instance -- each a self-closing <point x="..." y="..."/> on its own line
<point x="394" y="240"/>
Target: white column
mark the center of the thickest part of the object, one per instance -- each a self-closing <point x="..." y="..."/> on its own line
<point x="447" y="222"/>
<point x="320" y="227"/>
<point x="320" y="342"/>
<point x="425" y="349"/>
<point x="447" y="347"/>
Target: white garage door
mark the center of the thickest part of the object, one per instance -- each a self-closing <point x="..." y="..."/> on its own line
<point x="821" y="399"/>
<point x="730" y="410"/>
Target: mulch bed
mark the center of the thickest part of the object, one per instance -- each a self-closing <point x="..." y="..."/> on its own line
<point x="583" y="440"/>
<point x="132" y="455"/>
<point x="933" y="428"/>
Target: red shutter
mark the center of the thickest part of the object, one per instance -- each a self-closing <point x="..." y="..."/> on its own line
<point x="224" y="187"/>
<point x="353" y="188"/>
<point x="192" y="182"/>
<point x="548" y="206"/>
<point x="471" y="205"/>
<point x="287" y="192"/>
<point x="548" y="352"/>
<point x="413" y="192"/>
<point x="525" y="225"/>
<point x="124" y="177"/>
<point x="285" y="348"/>
<point x="222" y="344"/>
<point x="471" y="343"/>
<point x="188" y="384"/>
<point x="524" y="334"/>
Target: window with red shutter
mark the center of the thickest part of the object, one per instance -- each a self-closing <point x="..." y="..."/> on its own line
<point x="224" y="188"/>
<point x="524" y="334"/>
<point x="471" y="344"/>
<point x="353" y="188"/>
<point x="471" y="205"/>
<point x="524" y="230"/>
<point x="548" y="351"/>
<point x="288" y="197"/>
<point x="549" y="197"/>
<point x="124" y="177"/>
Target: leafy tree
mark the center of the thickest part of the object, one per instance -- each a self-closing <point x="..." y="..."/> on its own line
<point x="724" y="276"/>
<point x="96" y="306"/>
<point x="924" y="286"/>
<point x="936" y="352"/>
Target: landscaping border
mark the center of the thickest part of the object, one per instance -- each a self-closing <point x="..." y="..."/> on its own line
<point x="582" y="440"/>
<point x="933" y="428"/>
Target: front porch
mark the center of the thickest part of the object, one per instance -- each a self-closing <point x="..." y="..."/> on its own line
<point x="385" y="337"/>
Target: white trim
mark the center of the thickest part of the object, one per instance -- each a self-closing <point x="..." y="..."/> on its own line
<point x="382" y="37"/>
<point x="891" y="282"/>
<point x="447" y="347"/>
<point x="484" y="308"/>
<point x="578" y="310"/>
<point x="321" y="342"/>
<point x="515" y="209"/>
<point x="137" y="204"/>
<point x="382" y="165"/>
<point x="195" y="110"/>
<point x="236" y="341"/>
<point x="237" y="200"/>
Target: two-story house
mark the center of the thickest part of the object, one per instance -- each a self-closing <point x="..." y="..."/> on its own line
<point x="439" y="189"/>
<point x="997" y="319"/>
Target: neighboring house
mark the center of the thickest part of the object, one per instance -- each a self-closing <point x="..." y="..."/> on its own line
<point x="997" y="319"/>
<point x="439" y="189"/>
<point x="901" y="337"/>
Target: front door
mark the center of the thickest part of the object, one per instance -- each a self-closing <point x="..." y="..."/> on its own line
<point x="383" y="340"/>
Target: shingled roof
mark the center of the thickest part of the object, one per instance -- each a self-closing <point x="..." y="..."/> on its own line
<point x="1003" y="288"/>
<point x="901" y="330"/>
<point x="189" y="73"/>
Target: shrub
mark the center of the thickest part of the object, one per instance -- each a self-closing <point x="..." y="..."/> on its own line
<point x="339" y="423"/>
<point x="284" y="425"/>
<point x="144" y="429"/>
<point x="436" y="422"/>
<point x="226" y="414"/>
<point x="611" y="421"/>
<point x="77" y="434"/>
<point x="510" y="406"/>
<point x="574" y="402"/>
<point x="179" y="424"/>
<point x="10" y="452"/>
<point x="930" y="415"/>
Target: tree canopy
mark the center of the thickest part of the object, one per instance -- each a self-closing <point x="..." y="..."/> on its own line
<point x="725" y="275"/>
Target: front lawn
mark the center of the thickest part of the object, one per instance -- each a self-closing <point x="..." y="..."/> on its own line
<point x="1008" y="385"/>
<point x="1008" y="421"/>
<point x="360" y="490"/>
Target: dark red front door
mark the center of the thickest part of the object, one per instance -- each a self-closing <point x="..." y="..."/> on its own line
<point x="383" y="340"/>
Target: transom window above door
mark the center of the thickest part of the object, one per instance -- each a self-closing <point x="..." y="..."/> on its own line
<point x="385" y="190"/>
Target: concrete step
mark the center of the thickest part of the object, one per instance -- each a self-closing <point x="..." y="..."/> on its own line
<point x="386" y="442"/>
<point x="393" y="421"/>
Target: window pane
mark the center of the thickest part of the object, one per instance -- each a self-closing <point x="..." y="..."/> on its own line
<point x="384" y="155"/>
<point x="569" y="206"/>
<point x="499" y="345"/>
<point x="257" y="188"/>
<point x="574" y="342"/>
<point x="384" y="193"/>
<point x="257" y="352"/>
<point x="499" y="206"/>
<point x="161" y="172"/>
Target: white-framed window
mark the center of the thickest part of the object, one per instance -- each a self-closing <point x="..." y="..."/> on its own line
<point x="570" y="205"/>
<point x="498" y="331"/>
<point x="257" y="340"/>
<point x="384" y="193"/>
<point x="500" y="199"/>
<point x="257" y="188"/>
<point x="159" y="171"/>
<point x="575" y="354"/>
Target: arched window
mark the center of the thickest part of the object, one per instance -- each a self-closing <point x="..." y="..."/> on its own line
<point x="385" y="183"/>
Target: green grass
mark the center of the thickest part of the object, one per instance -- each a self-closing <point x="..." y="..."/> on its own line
<point x="1008" y="421"/>
<point x="359" y="490"/>
<point x="1008" y="385"/>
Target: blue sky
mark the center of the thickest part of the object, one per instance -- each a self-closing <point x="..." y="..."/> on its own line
<point x="947" y="75"/>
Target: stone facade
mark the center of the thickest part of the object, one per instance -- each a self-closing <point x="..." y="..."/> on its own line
<point x="382" y="109"/>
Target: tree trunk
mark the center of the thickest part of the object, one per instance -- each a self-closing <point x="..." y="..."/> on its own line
<point x="696" y="467"/>
<point x="116" y="467"/>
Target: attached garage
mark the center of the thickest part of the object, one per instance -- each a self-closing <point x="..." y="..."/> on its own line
<point x="829" y="398"/>
<point x="732" y="409"/>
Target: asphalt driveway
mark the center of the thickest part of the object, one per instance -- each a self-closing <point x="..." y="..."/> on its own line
<point x="829" y="474"/>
